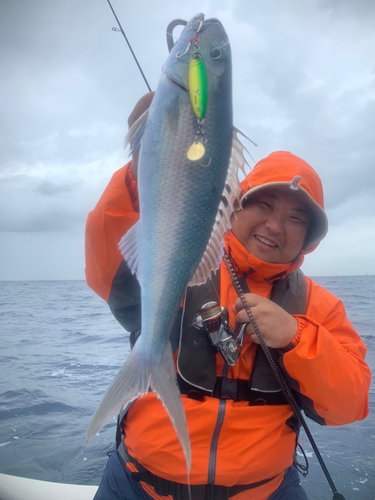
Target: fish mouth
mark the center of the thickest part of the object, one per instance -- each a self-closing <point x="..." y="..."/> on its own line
<point x="203" y="23"/>
<point x="213" y="22"/>
<point x="178" y="84"/>
<point x="209" y="22"/>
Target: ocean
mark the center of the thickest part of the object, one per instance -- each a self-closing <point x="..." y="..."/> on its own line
<point x="60" y="348"/>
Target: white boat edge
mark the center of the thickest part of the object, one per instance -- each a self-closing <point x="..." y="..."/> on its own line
<point x="21" y="488"/>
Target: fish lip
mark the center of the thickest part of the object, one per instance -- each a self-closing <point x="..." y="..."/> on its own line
<point x="209" y="22"/>
<point x="176" y="83"/>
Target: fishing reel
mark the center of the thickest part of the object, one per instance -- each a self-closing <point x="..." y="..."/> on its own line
<point x="214" y="320"/>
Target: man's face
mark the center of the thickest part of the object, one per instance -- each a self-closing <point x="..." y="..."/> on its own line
<point x="272" y="225"/>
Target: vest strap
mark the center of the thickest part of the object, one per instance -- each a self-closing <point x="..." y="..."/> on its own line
<point x="238" y="390"/>
<point x="180" y="491"/>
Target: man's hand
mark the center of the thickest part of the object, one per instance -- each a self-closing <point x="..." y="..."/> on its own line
<point x="276" y="325"/>
<point x="141" y="106"/>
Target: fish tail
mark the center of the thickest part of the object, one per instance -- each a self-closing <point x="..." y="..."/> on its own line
<point x="165" y="386"/>
<point x="134" y="380"/>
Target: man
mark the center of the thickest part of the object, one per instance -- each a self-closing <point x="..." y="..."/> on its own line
<point x="242" y="432"/>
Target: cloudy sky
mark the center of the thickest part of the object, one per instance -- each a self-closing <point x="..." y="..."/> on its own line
<point x="303" y="81"/>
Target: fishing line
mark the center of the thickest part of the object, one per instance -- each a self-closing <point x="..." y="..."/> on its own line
<point x="279" y="376"/>
<point x="130" y="47"/>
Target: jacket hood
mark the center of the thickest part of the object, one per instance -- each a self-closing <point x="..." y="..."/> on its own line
<point x="287" y="172"/>
<point x="246" y="263"/>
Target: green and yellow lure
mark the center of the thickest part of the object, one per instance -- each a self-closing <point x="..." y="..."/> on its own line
<point x="198" y="87"/>
<point x="198" y="90"/>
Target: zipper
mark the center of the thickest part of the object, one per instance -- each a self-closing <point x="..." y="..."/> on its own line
<point x="216" y="435"/>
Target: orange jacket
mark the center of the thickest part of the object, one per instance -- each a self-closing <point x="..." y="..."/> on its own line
<point x="254" y="442"/>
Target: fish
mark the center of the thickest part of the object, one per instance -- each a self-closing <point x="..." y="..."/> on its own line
<point x="190" y="157"/>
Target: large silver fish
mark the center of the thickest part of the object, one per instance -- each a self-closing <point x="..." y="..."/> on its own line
<point x="185" y="207"/>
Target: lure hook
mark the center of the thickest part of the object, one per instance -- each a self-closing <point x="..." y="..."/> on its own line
<point x="178" y="55"/>
<point x="208" y="164"/>
<point x="171" y="26"/>
<point x="195" y="39"/>
<point x="199" y="27"/>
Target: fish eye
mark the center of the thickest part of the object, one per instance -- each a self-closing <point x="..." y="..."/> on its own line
<point x="197" y="56"/>
<point x="216" y="53"/>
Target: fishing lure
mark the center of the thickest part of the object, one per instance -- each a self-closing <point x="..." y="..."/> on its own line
<point x="198" y="91"/>
<point x="198" y="85"/>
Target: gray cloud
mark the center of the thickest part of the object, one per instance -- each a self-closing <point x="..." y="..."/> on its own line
<point x="48" y="188"/>
<point x="22" y="209"/>
<point x="303" y="77"/>
<point x="362" y="11"/>
<point x="313" y="85"/>
<point x="59" y="78"/>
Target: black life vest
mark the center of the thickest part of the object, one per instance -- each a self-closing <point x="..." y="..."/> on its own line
<point x="196" y="360"/>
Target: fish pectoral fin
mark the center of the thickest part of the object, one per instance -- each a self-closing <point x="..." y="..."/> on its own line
<point x="132" y="381"/>
<point x="129" y="247"/>
<point x="231" y="194"/>
<point x="171" y="114"/>
<point x="165" y="386"/>
<point x="135" y="133"/>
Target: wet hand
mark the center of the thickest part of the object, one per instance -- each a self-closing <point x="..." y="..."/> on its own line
<point x="276" y="325"/>
<point x="141" y="106"/>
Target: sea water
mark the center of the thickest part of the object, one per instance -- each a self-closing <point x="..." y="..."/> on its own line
<point x="60" y="348"/>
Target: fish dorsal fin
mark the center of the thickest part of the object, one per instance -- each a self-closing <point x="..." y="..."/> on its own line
<point x="135" y="133"/>
<point x="129" y="247"/>
<point x="232" y="190"/>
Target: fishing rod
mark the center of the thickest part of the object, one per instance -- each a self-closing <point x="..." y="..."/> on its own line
<point x="279" y="376"/>
<point x="130" y="47"/>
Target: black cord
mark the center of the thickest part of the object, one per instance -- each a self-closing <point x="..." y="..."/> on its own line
<point x="302" y="468"/>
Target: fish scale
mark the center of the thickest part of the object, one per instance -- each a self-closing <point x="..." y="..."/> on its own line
<point x="182" y="196"/>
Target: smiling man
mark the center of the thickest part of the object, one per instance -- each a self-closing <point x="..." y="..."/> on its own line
<point x="272" y="225"/>
<point x="242" y="432"/>
<point x="281" y="219"/>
